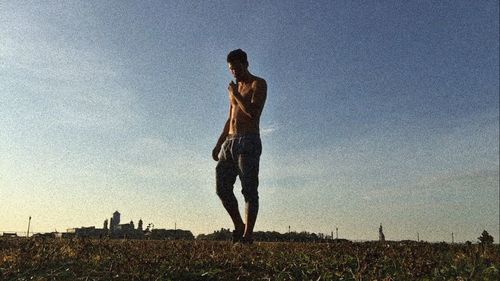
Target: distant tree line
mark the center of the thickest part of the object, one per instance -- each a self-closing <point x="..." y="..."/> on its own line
<point x="270" y="236"/>
<point x="169" y="234"/>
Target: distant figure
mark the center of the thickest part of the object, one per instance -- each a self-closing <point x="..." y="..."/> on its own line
<point x="381" y="236"/>
<point x="239" y="146"/>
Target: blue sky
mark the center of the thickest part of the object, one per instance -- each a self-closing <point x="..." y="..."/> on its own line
<point x="377" y="112"/>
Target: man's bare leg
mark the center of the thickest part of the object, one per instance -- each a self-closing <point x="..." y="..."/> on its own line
<point x="231" y="207"/>
<point x="251" y="210"/>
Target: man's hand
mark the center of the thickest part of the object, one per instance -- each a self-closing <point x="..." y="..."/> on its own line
<point x="233" y="89"/>
<point x="215" y="153"/>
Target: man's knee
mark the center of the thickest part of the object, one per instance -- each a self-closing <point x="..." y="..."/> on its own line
<point x="251" y="194"/>
<point x="223" y="192"/>
<point x="222" y="189"/>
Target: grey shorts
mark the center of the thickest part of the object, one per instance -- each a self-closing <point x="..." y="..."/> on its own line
<point x="239" y="156"/>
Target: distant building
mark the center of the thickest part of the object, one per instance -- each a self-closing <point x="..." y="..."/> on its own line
<point x="124" y="227"/>
<point x="90" y="232"/>
<point x="9" y="234"/>
<point x="381" y="236"/>
<point x="116" y="218"/>
<point x="127" y="230"/>
<point x="47" y="235"/>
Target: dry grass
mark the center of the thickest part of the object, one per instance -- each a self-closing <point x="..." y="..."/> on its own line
<point x="60" y="259"/>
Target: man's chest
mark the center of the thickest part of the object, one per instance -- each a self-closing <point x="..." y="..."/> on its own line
<point x="245" y="93"/>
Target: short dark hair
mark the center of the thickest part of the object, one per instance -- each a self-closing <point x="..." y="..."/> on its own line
<point x="237" y="55"/>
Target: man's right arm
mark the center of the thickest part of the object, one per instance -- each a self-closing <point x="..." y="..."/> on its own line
<point x="220" y="141"/>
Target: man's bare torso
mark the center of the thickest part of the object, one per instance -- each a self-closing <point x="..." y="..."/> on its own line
<point x="241" y="122"/>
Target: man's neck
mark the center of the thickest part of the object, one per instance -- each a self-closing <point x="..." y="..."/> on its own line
<point x="246" y="78"/>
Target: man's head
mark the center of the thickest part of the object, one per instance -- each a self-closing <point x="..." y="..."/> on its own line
<point x="238" y="63"/>
<point x="237" y="56"/>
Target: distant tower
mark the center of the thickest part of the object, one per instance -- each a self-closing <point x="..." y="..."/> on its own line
<point x="116" y="218"/>
<point x="132" y="224"/>
<point x="139" y="225"/>
<point x="105" y="226"/>
<point x="28" y="232"/>
<point x="381" y="236"/>
<point x="111" y="224"/>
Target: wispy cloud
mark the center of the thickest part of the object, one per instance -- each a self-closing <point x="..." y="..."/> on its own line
<point x="267" y="130"/>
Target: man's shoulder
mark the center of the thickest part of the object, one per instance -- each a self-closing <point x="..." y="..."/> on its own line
<point x="258" y="81"/>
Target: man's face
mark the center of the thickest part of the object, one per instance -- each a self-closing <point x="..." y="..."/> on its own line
<point x="237" y="69"/>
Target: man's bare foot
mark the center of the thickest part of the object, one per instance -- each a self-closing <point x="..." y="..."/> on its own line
<point x="238" y="234"/>
<point x="247" y="240"/>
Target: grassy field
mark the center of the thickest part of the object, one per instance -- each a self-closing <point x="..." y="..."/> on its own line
<point x="60" y="259"/>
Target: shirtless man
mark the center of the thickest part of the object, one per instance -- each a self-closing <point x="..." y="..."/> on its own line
<point x="239" y="147"/>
